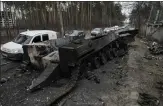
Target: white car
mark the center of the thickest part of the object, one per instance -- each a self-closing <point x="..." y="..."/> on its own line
<point x="97" y="32"/>
<point x="116" y="28"/>
<point x="14" y="50"/>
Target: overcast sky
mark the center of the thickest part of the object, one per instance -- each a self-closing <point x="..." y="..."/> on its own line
<point x="127" y="7"/>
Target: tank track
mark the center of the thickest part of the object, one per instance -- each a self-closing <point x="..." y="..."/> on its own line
<point x="107" y="53"/>
<point x="52" y="95"/>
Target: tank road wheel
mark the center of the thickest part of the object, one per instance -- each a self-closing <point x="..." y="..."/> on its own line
<point x="103" y="58"/>
<point x="114" y="51"/>
<point x="109" y="55"/>
<point x="89" y="66"/>
<point x="96" y="62"/>
<point x="117" y="44"/>
<point x="126" y="47"/>
<point x="121" y="52"/>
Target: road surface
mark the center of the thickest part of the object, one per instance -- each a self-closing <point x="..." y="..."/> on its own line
<point x="121" y="81"/>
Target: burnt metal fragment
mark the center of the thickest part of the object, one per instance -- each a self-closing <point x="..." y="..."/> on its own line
<point x="91" y="76"/>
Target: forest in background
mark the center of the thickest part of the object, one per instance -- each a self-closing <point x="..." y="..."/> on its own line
<point x="68" y="15"/>
<point x="62" y="16"/>
<point x="145" y="13"/>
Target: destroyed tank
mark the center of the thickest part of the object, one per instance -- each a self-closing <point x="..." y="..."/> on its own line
<point x="59" y="75"/>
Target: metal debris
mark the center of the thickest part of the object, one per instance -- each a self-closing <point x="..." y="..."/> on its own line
<point x="148" y="57"/>
<point x="3" y="80"/>
<point x="156" y="49"/>
<point x="159" y="85"/>
<point x="147" y="100"/>
<point x="91" y="76"/>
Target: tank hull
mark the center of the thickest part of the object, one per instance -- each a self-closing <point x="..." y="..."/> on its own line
<point x="74" y="59"/>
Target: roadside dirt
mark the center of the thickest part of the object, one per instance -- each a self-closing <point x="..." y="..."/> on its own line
<point x="121" y="81"/>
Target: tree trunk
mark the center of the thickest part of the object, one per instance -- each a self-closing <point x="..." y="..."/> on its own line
<point x="90" y="16"/>
<point x="60" y="18"/>
<point x="6" y="21"/>
<point x="76" y="15"/>
<point x="110" y="14"/>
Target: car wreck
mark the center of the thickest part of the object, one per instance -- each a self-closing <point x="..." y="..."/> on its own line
<point x="68" y="59"/>
<point x="13" y="49"/>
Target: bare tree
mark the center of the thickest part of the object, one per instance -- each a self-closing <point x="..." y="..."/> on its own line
<point x="60" y="17"/>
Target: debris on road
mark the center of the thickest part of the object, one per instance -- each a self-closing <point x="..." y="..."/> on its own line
<point x="3" y="80"/>
<point x="156" y="64"/>
<point x="148" y="57"/>
<point x="119" y="67"/>
<point x="159" y="85"/>
<point x="156" y="49"/>
<point x="91" y="76"/>
<point x="147" y="100"/>
<point x="151" y="57"/>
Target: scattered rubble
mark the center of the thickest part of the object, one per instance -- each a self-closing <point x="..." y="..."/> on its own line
<point x="3" y="80"/>
<point x="119" y="67"/>
<point x="156" y="49"/>
<point x="151" y="57"/>
<point x="148" y="57"/>
<point x="156" y="64"/>
<point x="91" y="76"/>
<point x="159" y="85"/>
<point x="147" y="100"/>
<point x="144" y="42"/>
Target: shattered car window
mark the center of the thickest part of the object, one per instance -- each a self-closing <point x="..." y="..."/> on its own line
<point x="75" y="33"/>
<point x="22" y="39"/>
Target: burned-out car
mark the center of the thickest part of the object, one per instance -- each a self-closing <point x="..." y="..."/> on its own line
<point x="97" y="32"/>
<point x="108" y="30"/>
<point x="13" y="49"/>
<point x="75" y="34"/>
